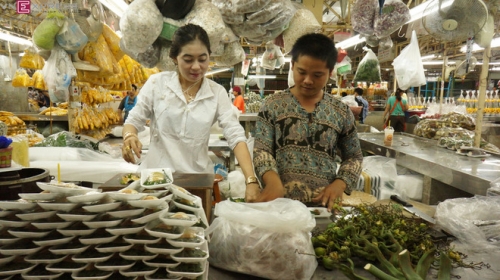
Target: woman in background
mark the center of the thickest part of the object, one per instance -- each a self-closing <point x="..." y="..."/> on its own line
<point x="239" y="102"/>
<point x="395" y="109"/>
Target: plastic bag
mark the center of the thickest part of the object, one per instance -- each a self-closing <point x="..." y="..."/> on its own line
<point x="394" y="14"/>
<point x="363" y="16"/>
<point x="269" y="240"/>
<point x="21" y="78"/>
<point x="303" y="22"/>
<point x="141" y="25"/>
<point x="344" y="67"/>
<point x="113" y="42"/>
<point x="98" y="53"/>
<point x="57" y="73"/>
<point x="71" y="38"/>
<point x="406" y="76"/>
<point x="233" y="54"/>
<point x="31" y="60"/>
<point x="44" y="35"/>
<point x="368" y="69"/>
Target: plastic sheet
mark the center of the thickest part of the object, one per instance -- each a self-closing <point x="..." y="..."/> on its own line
<point x="270" y="239"/>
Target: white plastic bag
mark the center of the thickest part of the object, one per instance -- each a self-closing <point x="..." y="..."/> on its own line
<point x="57" y="72"/>
<point x="393" y="15"/>
<point x="269" y="239"/>
<point x="344" y="67"/>
<point x="71" y="38"/>
<point x="408" y="66"/>
<point x="368" y="68"/>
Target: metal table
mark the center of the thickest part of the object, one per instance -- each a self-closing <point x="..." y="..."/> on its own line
<point x="446" y="173"/>
<point x="218" y="146"/>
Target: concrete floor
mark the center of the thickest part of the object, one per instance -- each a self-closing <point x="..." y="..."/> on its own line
<point x="375" y="119"/>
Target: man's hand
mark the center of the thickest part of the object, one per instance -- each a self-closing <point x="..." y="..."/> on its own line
<point x="331" y="194"/>
<point x="271" y="192"/>
<point x="252" y="192"/>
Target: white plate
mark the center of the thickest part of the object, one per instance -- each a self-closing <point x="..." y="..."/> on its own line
<point x="161" y="275"/>
<point x="56" y="267"/>
<point x="187" y="207"/>
<point x="165" y="249"/>
<point x="102" y="224"/>
<point x="82" y="258"/>
<point x="139" y="257"/>
<point x="5" y="213"/>
<point x="153" y="216"/>
<point x="89" y="197"/>
<point x="200" y="239"/>
<point x="158" y="193"/>
<point x="76" y="217"/>
<point x="186" y="274"/>
<point x="65" y="249"/>
<point x="68" y="189"/>
<point x="110" y="266"/>
<point x="76" y="232"/>
<point x="6" y="259"/>
<point x="161" y="261"/>
<point x="20" y="268"/>
<point x="11" y="223"/>
<point x="17" y="249"/>
<point x="119" y="196"/>
<point x="79" y="276"/>
<point x="28" y="233"/>
<point x="182" y="192"/>
<point x="134" y="239"/>
<point x="100" y="208"/>
<point x="39" y="273"/>
<point x="54" y="225"/>
<point x="66" y="207"/>
<point x="109" y="248"/>
<point x="34" y="258"/>
<point x="125" y="230"/>
<point x="36" y="215"/>
<point x="151" y="203"/>
<point x="323" y="213"/>
<point x="52" y="242"/>
<point x="131" y="272"/>
<point x="8" y="240"/>
<point x="92" y="240"/>
<point x="39" y="196"/>
<point x="179" y="258"/>
<point x="167" y="218"/>
<point x="126" y="213"/>
<point x="154" y="229"/>
<point x="145" y="175"/>
<point x="22" y="205"/>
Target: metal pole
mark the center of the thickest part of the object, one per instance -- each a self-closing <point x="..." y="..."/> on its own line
<point x="445" y="62"/>
<point x="482" y="95"/>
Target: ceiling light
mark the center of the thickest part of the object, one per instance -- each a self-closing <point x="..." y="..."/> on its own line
<point x="350" y="42"/>
<point x="495" y="69"/>
<point x="15" y="39"/>
<point x="116" y="6"/>
<point x="217" y="71"/>
<point x="262" y="76"/>
<point x="437" y="62"/>
<point x="419" y="11"/>
<point x="431" y="56"/>
<point x="495" y="43"/>
<point x="491" y="63"/>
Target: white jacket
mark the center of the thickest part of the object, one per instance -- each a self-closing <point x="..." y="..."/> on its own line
<point x="180" y="131"/>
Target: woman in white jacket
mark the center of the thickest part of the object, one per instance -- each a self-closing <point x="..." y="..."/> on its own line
<point x="182" y="106"/>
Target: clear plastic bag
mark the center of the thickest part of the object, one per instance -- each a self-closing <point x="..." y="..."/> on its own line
<point x="407" y="76"/>
<point x="71" y="38"/>
<point x="57" y="73"/>
<point x="344" y="67"/>
<point x="269" y="239"/>
<point x="21" y="78"/>
<point x="394" y="14"/>
<point x="368" y="69"/>
<point x="44" y="35"/>
<point x="363" y="16"/>
<point x="31" y="60"/>
<point x="233" y="54"/>
<point x="98" y="53"/>
<point x="303" y="22"/>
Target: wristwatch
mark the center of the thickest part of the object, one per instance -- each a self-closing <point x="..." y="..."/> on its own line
<point x="251" y="180"/>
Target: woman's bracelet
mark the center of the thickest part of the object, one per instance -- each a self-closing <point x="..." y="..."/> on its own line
<point x="128" y="135"/>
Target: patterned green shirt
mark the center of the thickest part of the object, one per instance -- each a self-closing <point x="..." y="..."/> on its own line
<point x="301" y="147"/>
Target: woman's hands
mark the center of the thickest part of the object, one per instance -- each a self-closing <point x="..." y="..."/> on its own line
<point x="252" y="192"/>
<point x="131" y="146"/>
<point x="332" y="194"/>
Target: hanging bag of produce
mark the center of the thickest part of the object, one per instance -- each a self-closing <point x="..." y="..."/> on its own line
<point x="31" y="60"/>
<point x="363" y="16"/>
<point x="45" y="33"/>
<point x="21" y="78"/>
<point x="344" y="67"/>
<point x="71" y="38"/>
<point x="303" y="22"/>
<point x="408" y="66"/>
<point x="368" y="69"/>
<point x="269" y="239"/>
<point x="58" y="72"/>
<point x="393" y="15"/>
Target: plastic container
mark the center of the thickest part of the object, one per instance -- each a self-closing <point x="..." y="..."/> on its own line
<point x="5" y="157"/>
<point x="388" y="136"/>
<point x="20" y="153"/>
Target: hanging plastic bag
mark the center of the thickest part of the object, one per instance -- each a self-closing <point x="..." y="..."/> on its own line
<point x="232" y="55"/>
<point x="44" y="35"/>
<point x="303" y="22"/>
<point x="31" y="60"/>
<point x="269" y="240"/>
<point x="269" y="57"/>
<point x="394" y="14"/>
<point x="407" y="76"/>
<point x="363" y="16"/>
<point x="368" y="69"/>
<point x="344" y="67"/>
<point x="141" y="25"/>
<point x="71" y="38"/>
<point x="341" y="54"/>
<point x="58" y="72"/>
<point x="97" y="53"/>
<point x="21" y="78"/>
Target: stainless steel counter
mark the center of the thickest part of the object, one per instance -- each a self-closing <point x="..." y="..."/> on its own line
<point x="248" y="117"/>
<point x="471" y="175"/>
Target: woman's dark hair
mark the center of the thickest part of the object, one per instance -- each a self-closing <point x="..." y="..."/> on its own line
<point x="398" y="94"/>
<point x="359" y="91"/>
<point x="315" y="45"/>
<point x="134" y="87"/>
<point x="187" y="34"/>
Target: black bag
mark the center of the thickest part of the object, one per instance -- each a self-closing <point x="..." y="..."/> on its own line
<point x="175" y="9"/>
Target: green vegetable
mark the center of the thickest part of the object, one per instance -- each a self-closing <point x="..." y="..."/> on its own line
<point x="369" y="71"/>
<point x="44" y="35"/>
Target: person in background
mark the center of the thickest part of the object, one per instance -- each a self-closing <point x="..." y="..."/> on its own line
<point x="182" y="106"/>
<point x="128" y="103"/>
<point x="300" y="132"/>
<point x="239" y="102"/>
<point x="344" y="94"/>
<point x="358" y="96"/>
<point x="395" y="112"/>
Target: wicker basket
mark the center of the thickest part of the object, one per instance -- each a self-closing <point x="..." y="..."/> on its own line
<point x="5" y="157"/>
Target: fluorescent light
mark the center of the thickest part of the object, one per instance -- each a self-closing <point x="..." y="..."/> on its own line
<point x="437" y="62"/>
<point x="491" y="63"/>
<point x="431" y="56"/>
<point x="116" y="6"/>
<point x="217" y="71"/>
<point x="15" y="39"/>
<point x="495" y="43"/>
<point x="417" y="12"/>
<point x="354" y="40"/>
<point x="262" y="76"/>
<point x="495" y="69"/>
<point x="288" y="59"/>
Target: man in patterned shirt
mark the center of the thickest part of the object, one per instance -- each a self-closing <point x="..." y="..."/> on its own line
<point x="301" y="130"/>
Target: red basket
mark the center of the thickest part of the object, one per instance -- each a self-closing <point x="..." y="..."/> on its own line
<point x="5" y="157"/>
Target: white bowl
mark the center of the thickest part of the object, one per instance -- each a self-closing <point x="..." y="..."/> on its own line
<point x="165" y="249"/>
<point x="153" y="216"/>
<point x="44" y="257"/>
<point x="133" y="272"/>
<point x="74" y="267"/>
<point x="16" y="269"/>
<point x="186" y="259"/>
<point x="64" y="188"/>
<point x="173" y="270"/>
<point x="52" y="242"/>
<point x="36" y="215"/>
<point x="182" y="193"/>
<point x="110" y="248"/>
<point x="119" y="196"/>
<point x="167" y="173"/>
<point x="12" y="223"/>
<point x="102" y="224"/>
<point x="161" y="261"/>
<point x="49" y="225"/>
<point x="100" y="208"/>
<point x="6" y="259"/>
<point x="5" y="240"/>
<point x="22" y="205"/>
<point x="18" y="249"/>
<point x="76" y="217"/>
<point x="180" y="205"/>
<point x="167" y="219"/>
<point x="115" y="264"/>
<point x="151" y="203"/>
<point x="80" y="276"/>
<point x="68" y="249"/>
<point x="135" y="239"/>
<point x="158" y="229"/>
<point x="89" y="197"/>
<point x="198" y="240"/>
<point x="92" y="240"/>
<point x="125" y="230"/>
<point x="66" y="207"/>
<point x="161" y="274"/>
<point x="72" y="231"/>
<point x="28" y="233"/>
<point x="39" y="196"/>
<point x="6" y="213"/>
<point x="84" y="257"/>
<point x="126" y="213"/>
<point x="37" y="274"/>
<point x="132" y="255"/>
